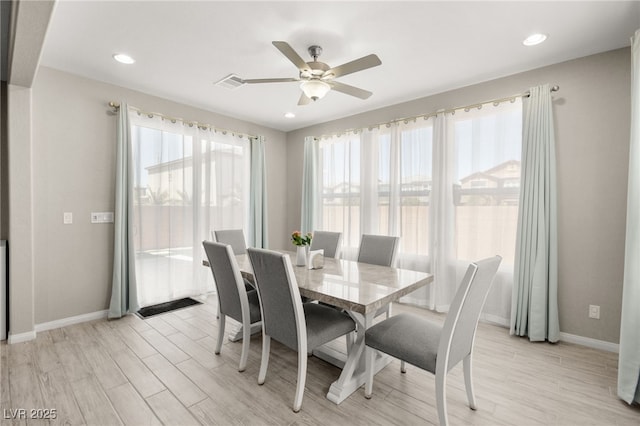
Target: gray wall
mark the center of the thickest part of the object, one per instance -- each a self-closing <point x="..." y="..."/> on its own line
<point x="73" y="171"/>
<point x="592" y="120"/>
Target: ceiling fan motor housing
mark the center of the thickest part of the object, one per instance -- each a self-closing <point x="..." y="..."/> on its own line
<point x="316" y="70"/>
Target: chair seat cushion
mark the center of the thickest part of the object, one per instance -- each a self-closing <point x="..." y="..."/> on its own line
<point x="407" y="337"/>
<point x="254" y="306"/>
<point x="325" y="324"/>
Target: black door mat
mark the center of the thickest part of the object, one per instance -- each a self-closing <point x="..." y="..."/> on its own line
<point x="161" y="308"/>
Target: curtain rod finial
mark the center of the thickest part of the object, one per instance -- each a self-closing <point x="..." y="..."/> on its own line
<point x="555" y="88"/>
<point x="114" y="105"/>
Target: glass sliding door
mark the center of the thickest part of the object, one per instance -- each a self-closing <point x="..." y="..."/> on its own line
<point x="188" y="181"/>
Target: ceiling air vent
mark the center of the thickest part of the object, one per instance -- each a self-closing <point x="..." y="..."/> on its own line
<point x="231" y="81"/>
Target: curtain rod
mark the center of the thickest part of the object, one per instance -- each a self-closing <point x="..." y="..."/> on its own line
<point x="116" y="107"/>
<point x="467" y="108"/>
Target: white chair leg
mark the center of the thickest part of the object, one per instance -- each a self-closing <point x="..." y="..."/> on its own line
<point x="221" y="322"/>
<point x="246" y="338"/>
<point x="302" y="378"/>
<point x="403" y="367"/>
<point x="264" y="362"/>
<point x="468" y="381"/>
<point x="441" y="398"/>
<point x="370" y="356"/>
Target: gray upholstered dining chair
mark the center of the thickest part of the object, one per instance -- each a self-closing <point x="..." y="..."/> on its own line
<point x="234" y="237"/>
<point x="378" y="249"/>
<point x="233" y="299"/>
<point x="434" y="347"/>
<point x="301" y="327"/>
<point x="327" y="241"/>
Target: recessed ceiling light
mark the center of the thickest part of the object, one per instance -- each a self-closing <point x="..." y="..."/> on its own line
<point x="534" y="39"/>
<point x="123" y="59"/>
<point x="290" y="115"/>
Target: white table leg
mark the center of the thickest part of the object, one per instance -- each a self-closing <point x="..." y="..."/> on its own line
<point x="354" y="371"/>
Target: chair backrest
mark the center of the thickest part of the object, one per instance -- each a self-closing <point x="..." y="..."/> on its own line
<point x="234" y="237"/>
<point x="282" y="314"/>
<point x="229" y="283"/>
<point x="459" y="329"/>
<point x="327" y="241"/>
<point x="378" y="249"/>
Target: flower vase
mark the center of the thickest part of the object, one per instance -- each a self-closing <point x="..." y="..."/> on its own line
<point x="301" y="255"/>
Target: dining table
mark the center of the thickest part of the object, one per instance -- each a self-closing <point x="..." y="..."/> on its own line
<point x="363" y="291"/>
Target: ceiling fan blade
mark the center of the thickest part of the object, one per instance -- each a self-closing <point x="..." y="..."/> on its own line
<point x="291" y="54"/>
<point x="269" y="80"/>
<point x="304" y="99"/>
<point x="363" y="63"/>
<point x="350" y="90"/>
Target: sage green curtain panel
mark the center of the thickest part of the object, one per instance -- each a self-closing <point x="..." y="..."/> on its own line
<point x="534" y="311"/>
<point x="629" y="358"/>
<point x="258" y="236"/>
<point x="310" y="192"/>
<point x="124" y="294"/>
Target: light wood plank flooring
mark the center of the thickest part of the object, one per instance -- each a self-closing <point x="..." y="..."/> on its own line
<point x="163" y="371"/>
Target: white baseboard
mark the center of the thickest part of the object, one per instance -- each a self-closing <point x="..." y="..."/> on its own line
<point x="21" y="337"/>
<point x="30" y="335"/>
<point x="63" y="322"/>
<point x="590" y="343"/>
<point x="564" y="337"/>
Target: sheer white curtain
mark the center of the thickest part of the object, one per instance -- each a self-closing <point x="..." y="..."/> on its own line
<point x="484" y="152"/>
<point x="448" y="186"/>
<point x="188" y="180"/>
<point x="339" y="161"/>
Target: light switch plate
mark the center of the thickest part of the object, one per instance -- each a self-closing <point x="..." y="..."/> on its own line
<point x="67" y="218"/>
<point x="101" y="217"/>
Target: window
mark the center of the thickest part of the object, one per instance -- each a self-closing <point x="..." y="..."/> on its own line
<point x="340" y="193"/>
<point x="378" y="182"/>
<point x="487" y="145"/>
<point x="449" y="186"/>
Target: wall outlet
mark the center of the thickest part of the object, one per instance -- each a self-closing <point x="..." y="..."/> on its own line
<point x="594" y="311"/>
<point x="67" y="218"/>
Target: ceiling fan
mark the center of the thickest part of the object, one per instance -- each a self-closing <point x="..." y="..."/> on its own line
<point x="317" y="77"/>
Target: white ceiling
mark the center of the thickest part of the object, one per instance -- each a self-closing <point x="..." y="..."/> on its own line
<point x="182" y="48"/>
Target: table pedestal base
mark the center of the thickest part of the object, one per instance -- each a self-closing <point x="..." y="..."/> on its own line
<point x="353" y="363"/>
<point x="235" y="334"/>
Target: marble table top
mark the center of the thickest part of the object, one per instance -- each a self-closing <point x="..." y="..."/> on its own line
<point x="358" y="287"/>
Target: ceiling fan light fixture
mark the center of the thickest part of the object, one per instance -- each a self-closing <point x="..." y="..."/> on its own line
<point x="315" y="89"/>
